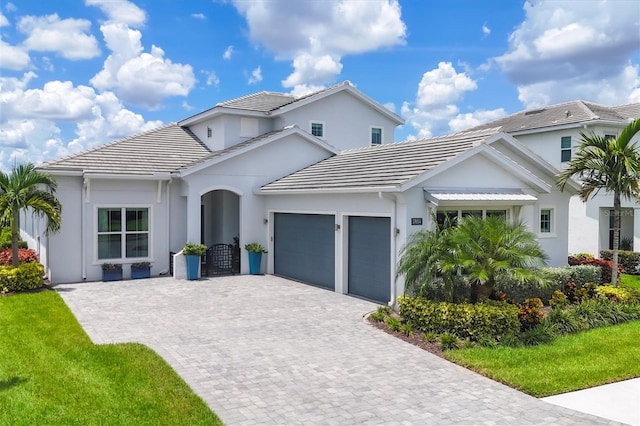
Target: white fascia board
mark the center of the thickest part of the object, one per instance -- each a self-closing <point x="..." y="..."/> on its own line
<point x="339" y="88"/>
<point x="312" y="191"/>
<point x="128" y="176"/>
<point x="59" y="172"/>
<point x="219" y="110"/>
<point x="290" y="131"/>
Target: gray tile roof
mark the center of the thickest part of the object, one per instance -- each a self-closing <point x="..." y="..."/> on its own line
<point x="383" y="166"/>
<point x="563" y="114"/>
<point x="164" y="149"/>
<point x="261" y="101"/>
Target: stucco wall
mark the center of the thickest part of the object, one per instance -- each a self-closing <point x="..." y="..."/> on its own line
<point x="347" y="121"/>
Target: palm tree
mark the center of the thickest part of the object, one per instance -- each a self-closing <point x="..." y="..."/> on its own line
<point x="612" y="164"/>
<point x="26" y="188"/>
<point x="490" y="249"/>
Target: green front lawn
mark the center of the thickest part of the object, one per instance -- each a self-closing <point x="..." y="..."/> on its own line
<point x="572" y="362"/>
<point x="630" y="281"/>
<point x="51" y="373"/>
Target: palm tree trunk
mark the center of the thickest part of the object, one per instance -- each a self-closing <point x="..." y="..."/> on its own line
<point x="15" y="233"/>
<point x="616" y="238"/>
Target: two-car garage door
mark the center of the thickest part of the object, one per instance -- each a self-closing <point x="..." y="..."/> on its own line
<point x="304" y="250"/>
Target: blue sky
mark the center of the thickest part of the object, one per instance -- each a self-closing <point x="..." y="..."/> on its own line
<point x="77" y="73"/>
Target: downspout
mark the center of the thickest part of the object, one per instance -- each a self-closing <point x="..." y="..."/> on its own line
<point x="168" y="225"/>
<point x="83" y="217"/>
<point x="394" y="226"/>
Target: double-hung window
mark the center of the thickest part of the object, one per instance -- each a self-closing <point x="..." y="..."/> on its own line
<point x="376" y="136"/>
<point x="123" y="232"/>
<point x="546" y="221"/>
<point x="565" y="149"/>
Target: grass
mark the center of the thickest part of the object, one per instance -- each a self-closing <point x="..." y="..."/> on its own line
<point x="573" y="362"/>
<point x="631" y="281"/>
<point x="51" y="373"/>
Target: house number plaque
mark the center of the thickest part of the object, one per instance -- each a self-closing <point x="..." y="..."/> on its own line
<point x="416" y="221"/>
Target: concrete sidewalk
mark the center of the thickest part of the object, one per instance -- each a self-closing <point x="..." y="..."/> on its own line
<point x="616" y="401"/>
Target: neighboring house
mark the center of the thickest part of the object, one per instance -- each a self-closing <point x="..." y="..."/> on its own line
<point x="316" y="179"/>
<point x="553" y="132"/>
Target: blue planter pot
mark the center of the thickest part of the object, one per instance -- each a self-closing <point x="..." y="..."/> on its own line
<point x="255" y="259"/>
<point x="111" y="275"/>
<point x="193" y="263"/>
<point x="138" y="273"/>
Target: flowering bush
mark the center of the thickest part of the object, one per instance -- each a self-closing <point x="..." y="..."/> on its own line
<point x="24" y="256"/>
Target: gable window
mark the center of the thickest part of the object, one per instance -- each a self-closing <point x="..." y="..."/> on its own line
<point x="546" y="221"/>
<point x="123" y="232"/>
<point x="317" y="129"/>
<point x="208" y="131"/>
<point x="565" y="149"/>
<point x="376" y="136"/>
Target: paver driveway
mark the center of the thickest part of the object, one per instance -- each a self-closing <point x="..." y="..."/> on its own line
<point x="265" y="350"/>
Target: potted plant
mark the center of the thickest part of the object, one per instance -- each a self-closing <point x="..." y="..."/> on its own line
<point x="140" y="270"/>
<point x="193" y="253"/>
<point x="111" y="272"/>
<point x="255" y="257"/>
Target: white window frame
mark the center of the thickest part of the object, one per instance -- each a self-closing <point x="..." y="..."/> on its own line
<point x="552" y="222"/>
<point x="123" y="232"/>
<point x="371" y="135"/>
<point x="564" y="149"/>
<point x="324" y="128"/>
<point x="507" y="209"/>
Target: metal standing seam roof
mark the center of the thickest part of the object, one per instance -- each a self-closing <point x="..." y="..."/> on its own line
<point x="497" y="195"/>
<point x="164" y="149"/>
<point x="563" y="114"/>
<point x="383" y="166"/>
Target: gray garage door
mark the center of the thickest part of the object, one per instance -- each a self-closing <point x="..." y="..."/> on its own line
<point x="304" y="248"/>
<point x="369" y="257"/>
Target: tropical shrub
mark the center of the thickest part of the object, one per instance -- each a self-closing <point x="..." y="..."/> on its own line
<point x="541" y="333"/>
<point x="615" y="294"/>
<point x="26" y="276"/>
<point x="464" y="320"/>
<point x="629" y="260"/>
<point x="449" y="341"/>
<point x="24" y="256"/>
<point x="605" y="266"/>
<point x="530" y="314"/>
<point x="5" y="240"/>
<point x="393" y="323"/>
<point x="565" y="321"/>
<point x="558" y="300"/>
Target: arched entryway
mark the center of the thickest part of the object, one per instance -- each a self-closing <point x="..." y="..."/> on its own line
<point x="220" y="232"/>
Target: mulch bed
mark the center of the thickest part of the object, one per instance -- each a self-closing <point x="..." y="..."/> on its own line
<point x="415" y="339"/>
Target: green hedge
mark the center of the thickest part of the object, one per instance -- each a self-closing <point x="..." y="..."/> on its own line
<point x="557" y="278"/>
<point x="27" y="276"/>
<point x="630" y="260"/>
<point x="495" y="319"/>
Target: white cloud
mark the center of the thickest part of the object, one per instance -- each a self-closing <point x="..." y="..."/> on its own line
<point x="140" y="78"/>
<point x="562" y="52"/>
<point x="256" y="76"/>
<point x="13" y="57"/>
<point x="212" y="78"/>
<point x="435" y="109"/>
<point x="316" y="35"/>
<point x="471" y="119"/>
<point x="227" y="53"/>
<point x="121" y="11"/>
<point x="3" y="20"/>
<point x="10" y="7"/>
<point x="70" y="38"/>
<point x="199" y="16"/>
<point x="28" y="128"/>
<point x="485" y="30"/>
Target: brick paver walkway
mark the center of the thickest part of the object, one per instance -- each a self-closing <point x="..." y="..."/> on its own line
<point x="265" y="350"/>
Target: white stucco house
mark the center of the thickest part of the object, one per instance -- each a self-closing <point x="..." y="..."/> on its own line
<point x="553" y="132"/>
<point x="316" y="179"/>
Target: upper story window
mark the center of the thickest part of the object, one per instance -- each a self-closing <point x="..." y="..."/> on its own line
<point x="565" y="149"/>
<point x="317" y="129"/>
<point x="123" y="232"/>
<point x="376" y="135"/>
<point x="546" y="221"/>
<point x="208" y="131"/>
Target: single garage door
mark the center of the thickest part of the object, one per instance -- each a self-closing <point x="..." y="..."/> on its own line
<point x="370" y="257"/>
<point x="304" y="248"/>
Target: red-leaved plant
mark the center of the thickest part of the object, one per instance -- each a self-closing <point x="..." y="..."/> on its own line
<point x="24" y="256"/>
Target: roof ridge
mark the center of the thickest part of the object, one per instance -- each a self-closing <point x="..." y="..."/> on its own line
<point x="251" y="95"/>
<point x="107" y="144"/>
